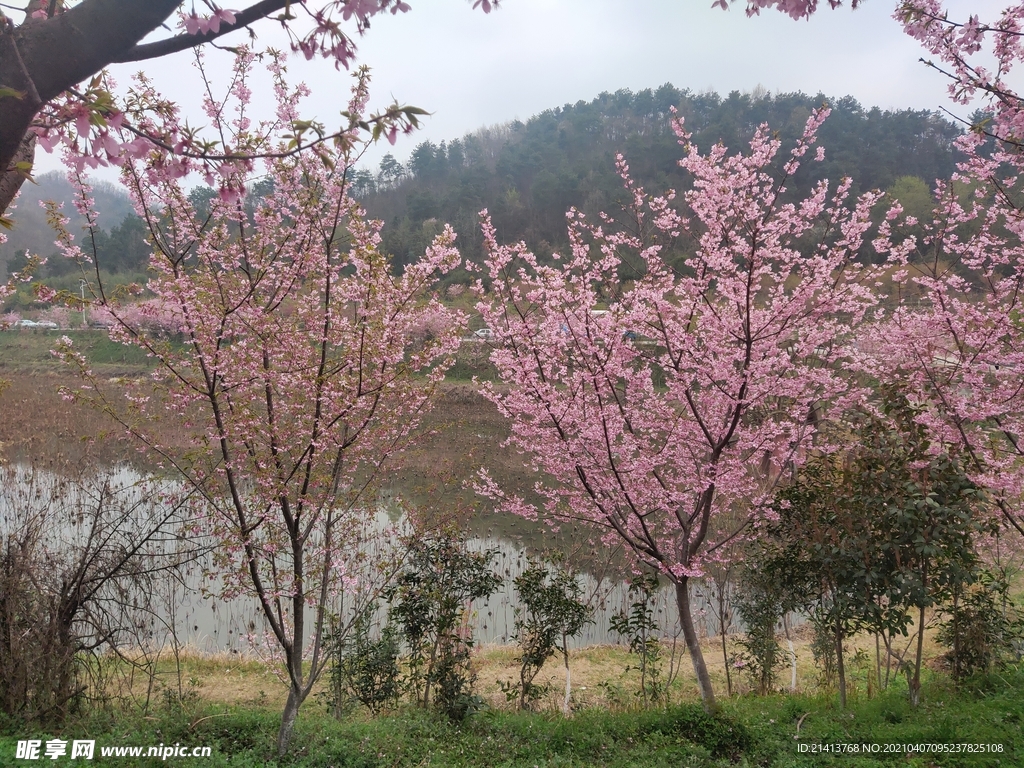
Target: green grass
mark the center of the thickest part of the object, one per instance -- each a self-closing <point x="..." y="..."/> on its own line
<point x="749" y="731"/>
<point x="29" y="349"/>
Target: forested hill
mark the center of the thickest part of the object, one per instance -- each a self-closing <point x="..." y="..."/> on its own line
<point x="31" y="230"/>
<point x="528" y="174"/>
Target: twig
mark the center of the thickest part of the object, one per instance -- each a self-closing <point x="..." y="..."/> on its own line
<point x="192" y="727"/>
<point x="799" y="723"/>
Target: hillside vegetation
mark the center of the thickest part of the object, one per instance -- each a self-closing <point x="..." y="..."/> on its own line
<point x="527" y="174"/>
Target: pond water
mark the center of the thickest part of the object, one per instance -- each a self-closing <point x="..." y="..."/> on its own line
<point x="182" y="609"/>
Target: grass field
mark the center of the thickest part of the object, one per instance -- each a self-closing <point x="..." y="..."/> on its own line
<point x="232" y="706"/>
<point x="781" y="730"/>
<point x="28" y="351"/>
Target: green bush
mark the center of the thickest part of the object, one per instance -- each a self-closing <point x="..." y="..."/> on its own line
<point x="428" y="602"/>
<point x="982" y="627"/>
<point x="550" y="611"/>
<point x="363" y="669"/>
<point x="638" y="625"/>
<point x="759" y="603"/>
<point x="721" y="735"/>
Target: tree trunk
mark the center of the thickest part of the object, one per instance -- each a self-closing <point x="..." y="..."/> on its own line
<point x="707" y="693"/>
<point x="840" y="665"/>
<point x="915" y="683"/>
<point x="291" y="712"/>
<point x="11" y="180"/>
<point x="956" y="634"/>
<point x="568" y="678"/>
<point x="888" y="660"/>
<point x="43" y="58"/>
<point x="725" y="659"/>
<point x="792" y="652"/>
<point x="878" y="661"/>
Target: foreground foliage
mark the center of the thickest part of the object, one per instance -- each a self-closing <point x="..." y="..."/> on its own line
<point x="748" y="731"/>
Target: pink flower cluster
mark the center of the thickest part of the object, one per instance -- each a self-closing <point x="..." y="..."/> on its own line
<point x="659" y="398"/>
<point x="196" y="25"/>
<point x="797" y="9"/>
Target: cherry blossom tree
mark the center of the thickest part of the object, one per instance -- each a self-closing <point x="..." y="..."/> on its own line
<point x="661" y="397"/>
<point x="56" y="45"/>
<point x="293" y="377"/>
<point x="953" y="335"/>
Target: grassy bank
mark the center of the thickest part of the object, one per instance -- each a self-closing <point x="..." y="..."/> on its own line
<point x="28" y="351"/>
<point x="232" y="705"/>
<point x="782" y="730"/>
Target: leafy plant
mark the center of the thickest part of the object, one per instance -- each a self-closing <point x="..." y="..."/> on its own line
<point x="823" y="648"/>
<point x="429" y="602"/>
<point x="873" y="538"/>
<point x="759" y="602"/>
<point x="982" y="626"/>
<point x="364" y="669"/>
<point x="639" y="626"/>
<point x="551" y="610"/>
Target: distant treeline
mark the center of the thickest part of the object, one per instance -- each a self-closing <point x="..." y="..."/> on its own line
<point x="528" y="174"/>
<point x="31" y="231"/>
<point x="123" y="249"/>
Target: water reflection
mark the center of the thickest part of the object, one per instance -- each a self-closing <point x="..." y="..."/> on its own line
<point x="182" y="609"/>
<point x="227" y="626"/>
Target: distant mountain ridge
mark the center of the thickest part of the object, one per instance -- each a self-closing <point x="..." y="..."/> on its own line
<point x="32" y="233"/>
<point x="527" y="174"/>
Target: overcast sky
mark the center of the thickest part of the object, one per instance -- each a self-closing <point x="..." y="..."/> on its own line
<point x="471" y="69"/>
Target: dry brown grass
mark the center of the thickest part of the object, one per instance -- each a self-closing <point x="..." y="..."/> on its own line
<point x="194" y="675"/>
<point x="599" y="674"/>
<point x="600" y="678"/>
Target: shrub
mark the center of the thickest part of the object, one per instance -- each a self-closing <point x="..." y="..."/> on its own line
<point x="720" y="734"/>
<point x="364" y="669"/>
<point x="429" y="602"/>
<point x="550" y="612"/>
<point x="982" y="627"/>
<point x="639" y="626"/>
<point x="78" y="556"/>
<point x="759" y="603"/>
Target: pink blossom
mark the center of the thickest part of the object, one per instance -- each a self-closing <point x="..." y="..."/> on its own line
<point x="302" y="362"/>
<point x="635" y="399"/>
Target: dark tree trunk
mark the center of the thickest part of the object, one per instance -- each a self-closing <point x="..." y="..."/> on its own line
<point x="725" y="660"/>
<point x="915" y="682"/>
<point x="11" y="182"/>
<point x="43" y="58"/>
<point x="291" y="712"/>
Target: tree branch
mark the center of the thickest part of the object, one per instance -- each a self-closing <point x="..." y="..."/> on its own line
<point x="52" y="55"/>
<point x="185" y="41"/>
